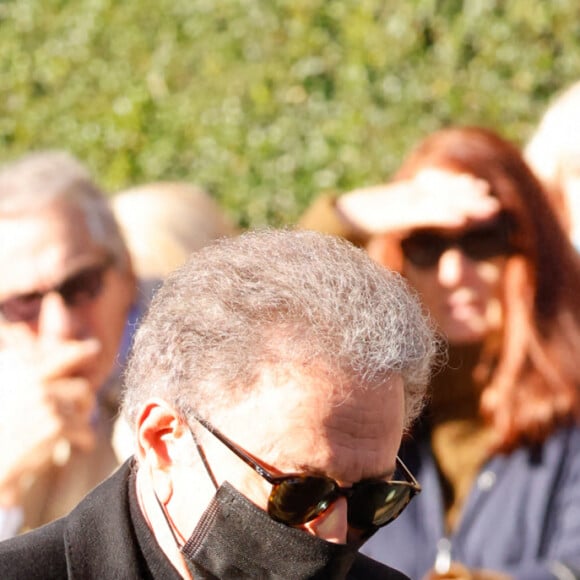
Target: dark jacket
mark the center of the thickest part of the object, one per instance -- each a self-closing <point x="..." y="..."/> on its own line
<point x="522" y="516"/>
<point x="106" y="538"/>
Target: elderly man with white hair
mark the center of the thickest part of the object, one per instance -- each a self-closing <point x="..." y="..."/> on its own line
<point x="268" y="391"/>
<point x="66" y="288"/>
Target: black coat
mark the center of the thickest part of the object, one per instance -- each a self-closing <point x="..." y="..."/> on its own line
<point x="104" y="538"/>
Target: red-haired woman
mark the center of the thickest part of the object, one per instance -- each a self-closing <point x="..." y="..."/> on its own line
<point x="497" y="450"/>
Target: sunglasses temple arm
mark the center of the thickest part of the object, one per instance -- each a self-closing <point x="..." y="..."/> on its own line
<point x="245" y="457"/>
<point x="409" y="475"/>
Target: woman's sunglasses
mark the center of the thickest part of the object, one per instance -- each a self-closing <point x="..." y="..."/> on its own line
<point x="298" y="498"/>
<point x="424" y="248"/>
<point x="76" y="290"/>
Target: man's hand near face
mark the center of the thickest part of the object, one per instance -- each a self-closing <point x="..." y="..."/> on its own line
<point x="45" y="407"/>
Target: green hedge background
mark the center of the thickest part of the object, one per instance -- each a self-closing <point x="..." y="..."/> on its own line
<point x="268" y="102"/>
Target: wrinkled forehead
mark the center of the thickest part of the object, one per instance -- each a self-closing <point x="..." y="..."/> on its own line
<point x="43" y="247"/>
<point x="308" y="424"/>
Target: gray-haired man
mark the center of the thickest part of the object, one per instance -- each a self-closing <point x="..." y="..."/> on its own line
<point x="269" y="388"/>
<point x="65" y="291"/>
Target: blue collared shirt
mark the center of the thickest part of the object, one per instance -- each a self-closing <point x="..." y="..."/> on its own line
<point x="522" y="516"/>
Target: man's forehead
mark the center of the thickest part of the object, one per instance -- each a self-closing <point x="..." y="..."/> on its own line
<point x="316" y="394"/>
<point x="331" y="427"/>
<point x="43" y="247"/>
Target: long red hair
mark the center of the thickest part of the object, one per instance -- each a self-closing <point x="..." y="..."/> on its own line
<point x="532" y="385"/>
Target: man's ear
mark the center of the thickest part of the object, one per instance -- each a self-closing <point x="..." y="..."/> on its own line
<point x="160" y="433"/>
<point x="161" y="438"/>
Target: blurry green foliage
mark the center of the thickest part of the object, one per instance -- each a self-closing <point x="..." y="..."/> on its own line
<point x="268" y="102"/>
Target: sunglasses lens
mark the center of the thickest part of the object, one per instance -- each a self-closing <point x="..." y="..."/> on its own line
<point x="485" y="243"/>
<point x="77" y="290"/>
<point x="83" y="287"/>
<point x="297" y="500"/>
<point x="21" y="308"/>
<point x="376" y="504"/>
<point x="423" y="249"/>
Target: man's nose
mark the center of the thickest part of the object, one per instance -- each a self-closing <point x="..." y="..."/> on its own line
<point x="451" y="267"/>
<point x="57" y="320"/>
<point x="331" y="525"/>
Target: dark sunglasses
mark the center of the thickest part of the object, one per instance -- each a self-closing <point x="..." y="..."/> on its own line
<point x="298" y="498"/>
<point x="76" y="290"/>
<point x="425" y="248"/>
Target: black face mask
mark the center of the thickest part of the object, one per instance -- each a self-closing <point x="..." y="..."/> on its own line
<point x="235" y="539"/>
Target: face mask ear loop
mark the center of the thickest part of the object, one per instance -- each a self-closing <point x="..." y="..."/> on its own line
<point x="180" y="543"/>
<point x="204" y="460"/>
<point x="163" y="509"/>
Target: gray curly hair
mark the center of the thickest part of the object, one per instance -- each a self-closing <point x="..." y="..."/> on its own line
<point x="277" y="298"/>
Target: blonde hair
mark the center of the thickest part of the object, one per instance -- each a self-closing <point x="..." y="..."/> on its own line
<point x="553" y="152"/>
<point x="554" y="149"/>
<point x="164" y="222"/>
